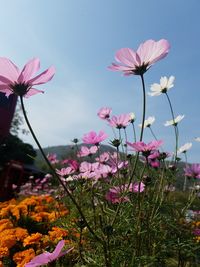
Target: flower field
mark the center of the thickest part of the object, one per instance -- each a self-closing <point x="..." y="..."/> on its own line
<point x="116" y="208"/>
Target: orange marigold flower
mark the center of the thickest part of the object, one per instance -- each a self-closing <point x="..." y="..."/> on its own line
<point x="23" y="257"/>
<point x="44" y="215"/>
<point x="48" y="198"/>
<point x="7" y="241"/>
<point x="29" y="201"/>
<point x="5" y="224"/>
<point x="2" y="221"/>
<point x="20" y="233"/>
<point x="36" y="218"/>
<point x="18" y="210"/>
<point x="39" y="208"/>
<point x="57" y="233"/>
<point x="32" y="239"/>
<point x="6" y="211"/>
<point x="4" y="252"/>
<point x="52" y="216"/>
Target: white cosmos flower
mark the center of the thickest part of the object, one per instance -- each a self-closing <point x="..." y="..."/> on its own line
<point x="184" y="148"/>
<point x="197" y="139"/>
<point x="148" y="122"/>
<point x="132" y="117"/>
<point x="162" y="87"/>
<point x="175" y="121"/>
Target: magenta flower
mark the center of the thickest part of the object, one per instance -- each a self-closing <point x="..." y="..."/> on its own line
<point x="137" y="187"/>
<point x="114" y="196"/>
<point x="146" y="149"/>
<point x="116" y="193"/>
<point x="104" y="113"/>
<point x="93" y="138"/>
<point x="193" y="171"/>
<point x="52" y="158"/>
<point x="196" y="232"/>
<point x="120" y="121"/>
<point x="104" y="157"/>
<point x="65" y="171"/>
<point x="85" y="151"/>
<point x="14" y="81"/>
<point x="137" y="63"/>
<point x="48" y="257"/>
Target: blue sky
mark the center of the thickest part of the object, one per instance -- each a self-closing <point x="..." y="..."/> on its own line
<point x="80" y="38"/>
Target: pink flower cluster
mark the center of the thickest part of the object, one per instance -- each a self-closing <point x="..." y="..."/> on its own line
<point x="106" y="166"/>
<point x="192" y="171"/>
<point x="118" y="194"/>
<point x="120" y="121"/>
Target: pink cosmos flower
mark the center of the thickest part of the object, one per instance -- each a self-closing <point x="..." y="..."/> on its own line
<point x="52" y="158"/>
<point x="137" y="63"/>
<point x="73" y="164"/>
<point x="104" y="157"/>
<point x="137" y="187"/>
<point x="86" y="151"/>
<point x="65" y="171"/>
<point x="93" y="138"/>
<point x="48" y="257"/>
<point x="193" y="171"/>
<point x="146" y="149"/>
<point x="114" y="195"/>
<point x="104" y="113"/>
<point x="14" y="81"/>
<point x="89" y="170"/>
<point x="120" y="121"/>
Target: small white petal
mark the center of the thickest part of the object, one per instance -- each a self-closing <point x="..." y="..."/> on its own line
<point x="184" y="148"/>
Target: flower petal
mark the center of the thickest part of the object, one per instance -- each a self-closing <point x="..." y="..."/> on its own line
<point x="152" y="51"/>
<point x="8" y="69"/>
<point x="39" y="260"/>
<point x="33" y="91"/>
<point x="4" y="89"/>
<point x="43" y="77"/>
<point x="57" y="251"/>
<point x="29" y="70"/>
<point x="127" y="56"/>
<point x="116" y="67"/>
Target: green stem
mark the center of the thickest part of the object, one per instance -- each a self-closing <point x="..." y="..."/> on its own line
<point x="134" y="132"/>
<point x="144" y="107"/>
<point x="175" y="127"/>
<point x="54" y="173"/>
<point x="185" y="178"/>
<point x="152" y="133"/>
<point x="126" y="139"/>
<point x="142" y="128"/>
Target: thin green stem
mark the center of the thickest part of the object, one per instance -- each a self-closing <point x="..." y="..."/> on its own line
<point x="134" y="132"/>
<point x="142" y="128"/>
<point x="175" y="127"/>
<point x="144" y="107"/>
<point x="54" y="173"/>
<point x="152" y="133"/>
<point x="120" y="138"/>
<point x="185" y="178"/>
<point x="126" y="139"/>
